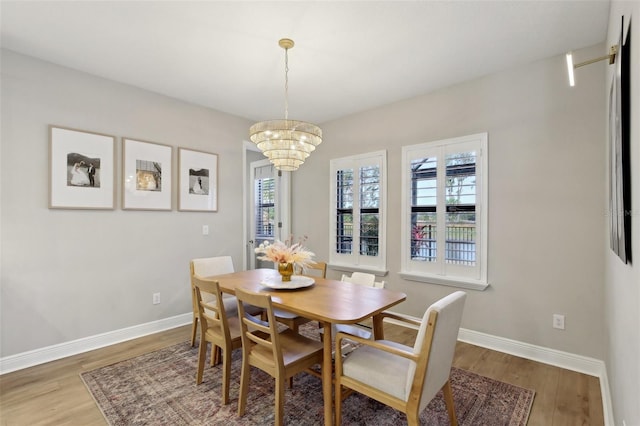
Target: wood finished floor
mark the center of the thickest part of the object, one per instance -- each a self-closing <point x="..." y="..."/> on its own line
<point x="54" y="394"/>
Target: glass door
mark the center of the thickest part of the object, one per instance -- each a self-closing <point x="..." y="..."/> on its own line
<point x="269" y="194"/>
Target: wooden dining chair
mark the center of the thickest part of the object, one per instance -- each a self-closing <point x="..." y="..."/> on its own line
<point x="402" y="377"/>
<point x="294" y="321"/>
<point x="217" y="328"/>
<point x="207" y="267"/>
<point x="281" y="355"/>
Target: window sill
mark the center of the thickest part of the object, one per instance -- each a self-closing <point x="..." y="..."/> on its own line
<point x="451" y="282"/>
<point x="353" y="268"/>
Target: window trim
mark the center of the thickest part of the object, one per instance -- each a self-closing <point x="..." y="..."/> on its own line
<point x="374" y="264"/>
<point x="408" y="267"/>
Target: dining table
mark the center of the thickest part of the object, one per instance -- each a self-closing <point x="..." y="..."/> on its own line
<point x="320" y="299"/>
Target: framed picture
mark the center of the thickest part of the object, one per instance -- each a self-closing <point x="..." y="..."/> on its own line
<point x="81" y="169"/>
<point x="197" y="181"/>
<point x="146" y="180"/>
<point x="619" y="152"/>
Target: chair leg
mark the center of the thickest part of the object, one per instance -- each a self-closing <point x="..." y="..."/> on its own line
<point x="279" y="409"/>
<point x="194" y="329"/>
<point x="202" y="354"/>
<point x="226" y="376"/>
<point x="215" y="355"/>
<point x="413" y="418"/>
<point x="338" y="403"/>
<point x="448" y="399"/>
<point x="245" y="376"/>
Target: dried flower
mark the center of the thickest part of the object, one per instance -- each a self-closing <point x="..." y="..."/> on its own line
<point x="285" y="252"/>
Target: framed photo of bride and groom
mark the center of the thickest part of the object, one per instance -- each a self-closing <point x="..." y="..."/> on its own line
<point x="197" y="181"/>
<point x="82" y="169"/>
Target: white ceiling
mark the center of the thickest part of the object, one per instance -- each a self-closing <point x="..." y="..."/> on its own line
<point x="349" y="56"/>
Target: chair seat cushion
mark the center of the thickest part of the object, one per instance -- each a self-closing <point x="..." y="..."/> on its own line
<point x="379" y="369"/>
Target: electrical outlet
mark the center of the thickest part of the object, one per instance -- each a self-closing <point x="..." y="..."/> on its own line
<point x="156" y="298"/>
<point x="558" y="321"/>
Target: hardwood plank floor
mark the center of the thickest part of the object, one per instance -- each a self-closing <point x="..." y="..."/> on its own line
<point x="54" y="394"/>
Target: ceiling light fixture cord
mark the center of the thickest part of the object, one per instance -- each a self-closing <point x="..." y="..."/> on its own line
<point x="286" y="84"/>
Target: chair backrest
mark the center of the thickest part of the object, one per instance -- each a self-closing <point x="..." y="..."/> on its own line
<point x="360" y="278"/>
<point x="258" y="336"/>
<point x="211" y="311"/>
<point x="316" y="269"/>
<point x="209" y="266"/>
<point x="435" y="345"/>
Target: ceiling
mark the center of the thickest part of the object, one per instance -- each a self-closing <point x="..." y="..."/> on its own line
<point x="349" y="56"/>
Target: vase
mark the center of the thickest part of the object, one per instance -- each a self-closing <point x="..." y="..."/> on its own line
<point x="286" y="270"/>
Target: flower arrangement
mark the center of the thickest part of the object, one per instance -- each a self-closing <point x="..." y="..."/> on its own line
<point x="286" y="252"/>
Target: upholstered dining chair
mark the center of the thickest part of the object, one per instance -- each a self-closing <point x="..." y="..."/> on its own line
<point x="281" y="355"/>
<point x="294" y="321"/>
<point x="361" y="278"/>
<point x="217" y="328"/>
<point x="405" y="378"/>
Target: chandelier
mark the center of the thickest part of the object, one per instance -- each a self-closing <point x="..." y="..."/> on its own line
<point x="287" y="143"/>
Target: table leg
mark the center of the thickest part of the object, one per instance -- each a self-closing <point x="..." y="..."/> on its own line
<point x="378" y="328"/>
<point x="327" y="376"/>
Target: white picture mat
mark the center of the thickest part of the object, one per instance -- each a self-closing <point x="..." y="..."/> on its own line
<point x="133" y="150"/>
<point x="190" y="159"/>
<point x="64" y="141"/>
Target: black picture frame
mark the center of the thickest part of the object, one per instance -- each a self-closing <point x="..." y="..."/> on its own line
<point x="619" y="154"/>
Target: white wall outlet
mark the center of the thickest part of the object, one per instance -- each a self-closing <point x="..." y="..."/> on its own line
<point x="558" y="321"/>
<point x="205" y="229"/>
<point x="156" y="298"/>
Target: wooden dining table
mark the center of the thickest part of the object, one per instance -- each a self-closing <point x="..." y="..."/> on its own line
<point x="326" y="301"/>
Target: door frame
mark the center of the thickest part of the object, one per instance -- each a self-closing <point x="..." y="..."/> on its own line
<point x="283" y="203"/>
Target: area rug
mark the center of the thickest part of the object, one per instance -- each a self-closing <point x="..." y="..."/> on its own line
<point x="159" y="388"/>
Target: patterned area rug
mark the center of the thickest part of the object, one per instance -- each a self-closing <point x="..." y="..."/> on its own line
<point x="159" y="389"/>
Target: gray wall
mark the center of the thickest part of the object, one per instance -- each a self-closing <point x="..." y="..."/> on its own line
<point x="69" y="274"/>
<point x="622" y="282"/>
<point x="546" y="186"/>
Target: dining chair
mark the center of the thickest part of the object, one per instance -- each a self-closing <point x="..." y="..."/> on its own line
<point x="361" y="278"/>
<point x="403" y="377"/>
<point x="217" y="328"/>
<point x="281" y="355"/>
<point x="292" y="320"/>
<point x="206" y="267"/>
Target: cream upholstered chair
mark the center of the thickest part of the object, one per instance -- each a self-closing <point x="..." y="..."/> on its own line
<point x="207" y="267"/>
<point x="361" y="278"/>
<point x="400" y="376"/>
<point x="294" y="321"/>
<point x="281" y="355"/>
<point x="217" y="328"/>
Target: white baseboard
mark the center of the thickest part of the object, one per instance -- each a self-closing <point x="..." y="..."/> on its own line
<point x="566" y="360"/>
<point x="74" y="347"/>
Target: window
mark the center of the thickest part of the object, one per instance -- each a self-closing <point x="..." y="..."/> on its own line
<point x="358" y="217"/>
<point x="265" y="206"/>
<point x="444" y="220"/>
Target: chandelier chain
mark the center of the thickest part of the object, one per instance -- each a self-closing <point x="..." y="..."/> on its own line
<point x="286" y="84"/>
